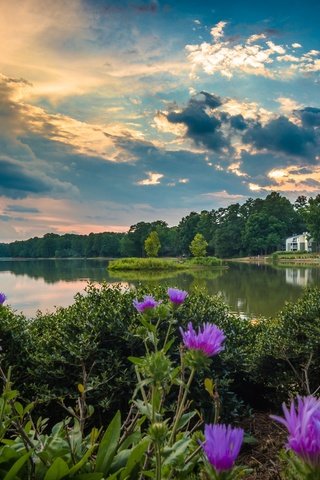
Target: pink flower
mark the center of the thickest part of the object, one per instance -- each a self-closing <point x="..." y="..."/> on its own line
<point x="303" y="424"/>
<point x="177" y="296"/>
<point x="222" y="445"/>
<point x="148" y="303"/>
<point x="209" y="339"/>
<point x="3" y="298"/>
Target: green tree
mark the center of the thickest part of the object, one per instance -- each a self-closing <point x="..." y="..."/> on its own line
<point x="311" y="214"/>
<point x="198" y="246"/>
<point x="152" y="244"/>
<point x="186" y="231"/>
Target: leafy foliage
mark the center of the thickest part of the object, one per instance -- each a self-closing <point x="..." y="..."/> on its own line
<point x="198" y="246"/>
<point x="152" y="244"/>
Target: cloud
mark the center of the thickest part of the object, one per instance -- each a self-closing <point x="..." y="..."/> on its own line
<point x="281" y="135"/>
<point x="153" y="179"/>
<point x="17" y="182"/>
<point x="21" y="209"/>
<point x="310" y="116"/>
<point x="253" y="56"/>
<point x="238" y="122"/>
<point x="203" y="127"/>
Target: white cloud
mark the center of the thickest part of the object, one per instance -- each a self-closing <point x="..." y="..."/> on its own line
<point x="266" y="59"/>
<point x="296" y="45"/>
<point x="217" y="30"/>
<point x="256" y="37"/>
<point x="153" y="179"/>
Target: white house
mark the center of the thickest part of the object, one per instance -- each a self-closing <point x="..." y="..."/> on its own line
<point x="299" y="243"/>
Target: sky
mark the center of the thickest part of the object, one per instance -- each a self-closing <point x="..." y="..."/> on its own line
<point x="115" y="112"/>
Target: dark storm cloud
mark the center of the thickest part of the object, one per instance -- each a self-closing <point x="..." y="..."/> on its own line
<point x="281" y="135"/>
<point x="310" y="116"/>
<point x="238" y="122"/>
<point x="17" y="182"/>
<point x="258" y="165"/>
<point x="203" y="128"/>
<point x="21" y="209"/>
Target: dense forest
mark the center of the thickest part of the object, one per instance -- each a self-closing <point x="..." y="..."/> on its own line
<point x="257" y="227"/>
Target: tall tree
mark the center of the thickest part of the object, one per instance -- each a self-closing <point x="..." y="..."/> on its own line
<point x="228" y="236"/>
<point x="311" y="214"/>
<point x="198" y="246"/>
<point x="152" y="244"/>
<point x="187" y="229"/>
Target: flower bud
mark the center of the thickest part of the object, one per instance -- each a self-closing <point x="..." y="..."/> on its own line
<point x="158" y="432"/>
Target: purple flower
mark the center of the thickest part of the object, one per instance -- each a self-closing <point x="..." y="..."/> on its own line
<point x="148" y="303"/>
<point x="303" y="424"/>
<point x="3" y="298"/>
<point x="177" y="296"/>
<point x="209" y="339"/>
<point x="222" y="445"/>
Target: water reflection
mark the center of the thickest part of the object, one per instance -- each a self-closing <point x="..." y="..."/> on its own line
<point x="247" y="289"/>
<point x="299" y="276"/>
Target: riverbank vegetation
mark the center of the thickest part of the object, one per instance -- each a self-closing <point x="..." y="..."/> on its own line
<point x="153" y="264"/>
<point x="298" y="258"/>
<point x="81" y="362"/>
<point x="257" y="227"/>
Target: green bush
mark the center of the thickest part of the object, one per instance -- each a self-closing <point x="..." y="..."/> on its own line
<point x="205" y="261"/>
<point x="143" y="264"/>
<point x="90" y="342"/>
<point x="285" y="356"/>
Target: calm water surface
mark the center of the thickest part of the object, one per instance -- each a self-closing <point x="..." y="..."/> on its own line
<point x="32" y="285"/>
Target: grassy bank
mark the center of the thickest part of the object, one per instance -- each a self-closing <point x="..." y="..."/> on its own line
<point x="295" y="258"/>
<point x="135" y="263"/>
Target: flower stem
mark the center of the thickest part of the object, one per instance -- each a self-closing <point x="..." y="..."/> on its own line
<point x="158" y="462"/>
<point x="181" y="407"/>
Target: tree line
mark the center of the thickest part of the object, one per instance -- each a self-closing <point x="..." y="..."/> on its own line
<point x="257" y="227"/>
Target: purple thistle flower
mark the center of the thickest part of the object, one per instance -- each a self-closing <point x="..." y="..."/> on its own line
<point x="222" y="445"/>
<point x="3" y="298"/>
<point x="209" y="339"/>
<point x="148" y="303"/>
<point x="303" y="424"/>
<point x="177" y="296"/>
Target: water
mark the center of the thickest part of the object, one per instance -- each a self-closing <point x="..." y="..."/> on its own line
<point x="250" y="290"/>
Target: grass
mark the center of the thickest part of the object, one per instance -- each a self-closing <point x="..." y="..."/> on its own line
<point x="133" y="263"/>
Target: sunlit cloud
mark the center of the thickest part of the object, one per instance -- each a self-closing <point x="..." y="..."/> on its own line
<point x="265" y="58"/>
<point x="295" y="178"/>
<point x="153" y="179"/>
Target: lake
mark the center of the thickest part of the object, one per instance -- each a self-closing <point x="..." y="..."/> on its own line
<point x="248" y="289"/>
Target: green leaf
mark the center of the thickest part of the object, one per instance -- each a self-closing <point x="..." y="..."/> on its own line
<point x="209" y="386"/>
<point x="16" y="467"/>
<point x="19" y="408"/>
<point x="120" y="460"/>
<point x="58" y="470"/>
<point x="168" y="345"/>
<point x="178" y="449"/>
<point x="136" y="360"/>
<point x="135" y="458"/>
<point x="185" y="419"/>
<point x="108" y="445"/>
<point x="89" y="476"/>
<point x="83" y="460"/>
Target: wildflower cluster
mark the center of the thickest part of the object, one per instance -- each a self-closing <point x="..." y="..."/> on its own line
<point x="302" y="421"/>
<point x="3" y="298"/>
<point x="222" y="443"/>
